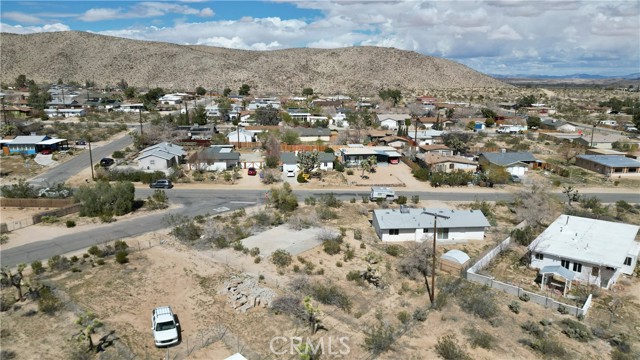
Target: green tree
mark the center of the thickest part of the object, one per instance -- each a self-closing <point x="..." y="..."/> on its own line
<point x="450" y="113"/>
<point x="122" y="84"/>
<point x="308" y="161"/>
<point x="489" y="122"/>
<point x="458" y="141"/>
<point x="534" y="122"/>
<point x="224" y="107"/>
<point x="226" y="92"/>
<point x="497" y="174"/>
<point x="200" y="91"/>
<point x="488" y="113"/>
<point x="21" y="81"/>
<point x="200" y="115"/>
<point x="267" y="115"/>
<point x="290" y="137"/>
<point x="393" y="95"/>
<point x="307" y="91"/>
<point x="104" y="199"/>
<point x="526" y="101"/>
<point x="244" y="90"/>
<point x="150" y="99"/>
<point x="283" y="198"/>
<point x="38" y="98"/>
<point x="130" y="92"/>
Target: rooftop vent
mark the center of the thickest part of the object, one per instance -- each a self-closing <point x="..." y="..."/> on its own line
<point x="404" y="209"/>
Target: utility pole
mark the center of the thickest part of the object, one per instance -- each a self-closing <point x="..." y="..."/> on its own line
<point x="91" y="160"/>
<point x="432" y="294"/>
<point x="186" y="112"/>
<point x="141" y="133"/>
<point x="4" y="112"/>
<point x="592" y="131"/>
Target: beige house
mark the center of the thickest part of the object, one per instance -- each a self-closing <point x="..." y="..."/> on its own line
<point x="446" y="164"/>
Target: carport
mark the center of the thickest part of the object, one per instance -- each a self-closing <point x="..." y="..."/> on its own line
<point x="560" y="271"/>
<point x="53" y="144"/>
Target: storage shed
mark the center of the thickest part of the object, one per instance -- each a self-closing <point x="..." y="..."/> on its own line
<point x="453" y="261"/>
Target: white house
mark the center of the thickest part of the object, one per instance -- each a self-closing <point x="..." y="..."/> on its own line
<point x="289" y="164"/>
<point x="326" y="160"/>
<point x="407" y="224"/>
<point x="586" y="250"/>
<point x="65" y="112"/>
<point x="244" y="136"/>
<point x="156" y="160"/>
<point x="170" y="99"/>
<point x="131" y="107"/>
<point x="515" y="163"/>
<point x="160" y="156"/>
<point x="217" y="158"/>
<point x="426" y="137"/>
<point x="392" y="121"/>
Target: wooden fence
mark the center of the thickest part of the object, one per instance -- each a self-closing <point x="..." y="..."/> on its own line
<point x="39" y="202"/>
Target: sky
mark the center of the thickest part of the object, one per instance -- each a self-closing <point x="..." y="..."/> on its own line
<point x="499" y="37"/>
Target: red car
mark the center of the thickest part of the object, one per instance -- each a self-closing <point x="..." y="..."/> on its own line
<point x="252" y="171"/>
<point x="46" y="152"/>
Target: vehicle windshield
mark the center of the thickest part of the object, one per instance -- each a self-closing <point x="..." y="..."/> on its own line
<point x="165" y="326"/>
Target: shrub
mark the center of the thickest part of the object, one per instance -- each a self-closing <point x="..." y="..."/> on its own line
<point x="365" y="199"/>
<point x="300" y="178"/>
<point x="37" y="267"/>
<point x="404" y="317"/>
<point x="353" y="200"/>
<point x="393" y="250"/>
<point x="338" y="264"/>
<point x="357" y="234"/>
<point x="70" y="223"/>
<point x="100" y="262"/>
<point x="547" y="346"/>
<point x="257" y="259"/>
<point x="331" y="295"/>
<point x="330" y="200"/>
<point x="49" y="219"/>
<point x="105" y="200"/>
<point x="296" y="268"/>
<point x="421" y="174"/>
<point x="121" y="257"/>
<point x="254" y="251"/>
<point x="523" y="236"/>
<point x="576" y="330"/>
<point x="401" y="200"/>
<point x="379" y="338"/>
<point x="563" y="309"/>
<point x="514" y="307"/>
<point x="59" y="263"/>
<point x="310" y="200"/>
<point x="186" y="231"/>
<point x="415" y="199"/>
<point x="281" y="258"/>
<point x="288" y="305"/>
<point x="363" y="246"/>
<point x="353" y="275"/>
<point x="449" y="349"/>
<point x="74" y="259"/>
<point x="525" y="297"/>
<point x="48" y="302"/>
<point x="479" y="301"/>
<point x="420" y="315"/>
<point x="532" y="328"/>
<point x="479" y="338"/>
<point x="332" y="246"/>
<point x="349" y="172"/>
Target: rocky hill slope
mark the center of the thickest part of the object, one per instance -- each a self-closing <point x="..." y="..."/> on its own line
<point x="79" y="56"/>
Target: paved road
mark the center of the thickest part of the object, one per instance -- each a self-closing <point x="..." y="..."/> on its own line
<point x="64" y="171"/>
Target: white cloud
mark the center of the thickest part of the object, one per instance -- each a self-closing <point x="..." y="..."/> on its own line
<point x="101" y="14"/>
<point x="143" y="10"/>
<point x="18" y="29"/>
<point x="21" y="17"/>
<point x="206" y="12"/>
<point x="505" y="32"/>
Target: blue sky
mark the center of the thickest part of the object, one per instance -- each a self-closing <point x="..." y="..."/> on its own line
<point x="492" y="36"/>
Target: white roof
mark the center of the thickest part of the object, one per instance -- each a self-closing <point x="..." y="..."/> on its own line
<point x="586" y="240"/>
<point x="395" y="117"/>
<point x="27" y="139"/>
<point x="51" y="141"/>
<point x="457" y="256"/>
<point x="159" y="153"/>
<point x="236" y="356"/>
<point x="166" y="147"/>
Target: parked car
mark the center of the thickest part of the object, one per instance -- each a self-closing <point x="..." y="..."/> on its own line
<point x="252" y="171"/>
<point x="106" y="162"/>
<point x="164" y="326"/>
<point x="81" y="142"/>
<point x="59" y="193"/>
<point x="161" y="184"/>
<point x="45" y="152"/>
<point x="515" y="178"/>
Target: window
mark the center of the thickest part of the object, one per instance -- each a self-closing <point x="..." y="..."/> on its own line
<point x="595" y="271"/>
<point x="565" y="264"/>
<point x="394" y="231"/>
<point x="539" y="256"/>
<point x="443" y="234"/>
<point x="577" y="267"/>
<point x="152" y="162"/>
<point x="628" y="261"/>
<point x="451" y="166"/>
<point x="425" y="231"/>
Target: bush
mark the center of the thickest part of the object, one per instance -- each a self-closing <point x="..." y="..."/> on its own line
<point x="576" y="330"/>
<point x="59" y="263"/>
<point x="349" y="172"/>
<point x="449" y="349"/>
<point x="325" y="213"/>
<point x="48" y="302"/>
<point x="547" y="346"/>
<point x="338" y="264"/>
<point x="354" y="275"/>
<point x="404" y="317"/>
<point x="401" y="200"/>
<point x="281" y="258"/>
<point x="37" y="267"/>
<point x="532" y="328"/>
<point x="300" y="178"/>
<point x="254" y="251"/>
<point x="310" y="201"/>
<point x="514" y="307"/>
<point x="330" y="200"/>
<point x="379" y="338"/>
<point x="421" y="174"/>
<point x="524" y="297"/>
<point x="479" y="338"/>
<point x="338" y="166"/>
<point x="70" y="223"/>
<point x="349" y="253"/>
<point x="106" y="200"/>
<point x="20" y="190"/>
<point x="257" y="259"/>
<point x="357" y="234"/>
<point x="523" y="236"/>
<point x="121" y="257"/>
<point x="479" y="301"/>
<point x="331" y="295"/>
<point x="563" y="310"/>
<point x="394" y="250"/>
<point x="415" y="199"/>
<point x="186" y="231"/>
<point x="420" y="315"/>
<point x="100" y="262"/>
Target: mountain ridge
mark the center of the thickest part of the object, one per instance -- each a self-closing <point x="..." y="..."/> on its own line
<point x="80" y="56"/>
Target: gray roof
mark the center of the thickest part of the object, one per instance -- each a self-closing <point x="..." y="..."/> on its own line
<point x="288" y="158"/>
<point x="218" y="153"/>
<point x="508" y="158"/>
<point x="28" y="139"/>
<point x="156" y="153"/>
<point x="553" y="122"/>
<point x="558" y="270"/>
<point x="313" y="131"/>
<point x="613" y="161"/>
<point x="326" y="157"/>
<point x="417" y="219"/>
<point x="166" y="147"/>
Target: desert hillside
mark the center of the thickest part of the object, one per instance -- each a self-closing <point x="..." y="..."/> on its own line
<point x="79" y="56"/>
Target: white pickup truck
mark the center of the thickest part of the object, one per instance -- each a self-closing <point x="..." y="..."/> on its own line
<point x="382" y="193"/>
<point x="511" y="129"/>
<point x="164" y="326"/>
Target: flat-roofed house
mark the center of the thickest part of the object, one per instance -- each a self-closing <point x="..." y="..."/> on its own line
<point x="586" y="250"/>
<point x="610" y="165"/>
